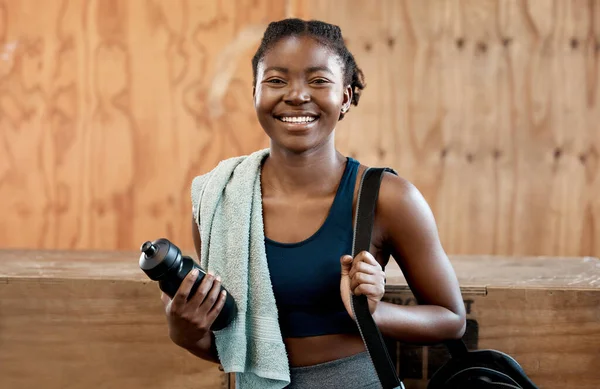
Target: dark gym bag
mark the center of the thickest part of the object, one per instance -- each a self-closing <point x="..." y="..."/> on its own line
<point x="477" y="369"/>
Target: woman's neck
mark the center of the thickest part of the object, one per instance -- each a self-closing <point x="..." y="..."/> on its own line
<point x="313" y="172"/>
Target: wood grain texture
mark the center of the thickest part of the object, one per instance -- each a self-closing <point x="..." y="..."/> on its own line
<point x="109" y="108"/>
<point x="490" y="108"/>
<point x="101" y="334"/>
<point x="542" y="311"/>
<point x="92" y="319"/>
<point x="554" y="334"/>
<point x="75" y="319"/>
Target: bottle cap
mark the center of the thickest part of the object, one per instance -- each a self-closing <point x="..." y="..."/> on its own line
<point x="158" y="257"/>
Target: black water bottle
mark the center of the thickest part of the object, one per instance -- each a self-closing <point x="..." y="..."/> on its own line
<point x="162" y="261"/>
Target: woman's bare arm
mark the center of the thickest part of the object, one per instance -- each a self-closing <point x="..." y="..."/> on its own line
<point x="412" y="238"/>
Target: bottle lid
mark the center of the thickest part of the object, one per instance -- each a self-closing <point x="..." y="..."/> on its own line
<point x="158" y="257"/>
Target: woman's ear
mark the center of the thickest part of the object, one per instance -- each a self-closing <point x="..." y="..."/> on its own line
<point x="347" y="99"/>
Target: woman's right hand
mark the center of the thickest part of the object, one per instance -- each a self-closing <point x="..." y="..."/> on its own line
<point x="190" y="320"/>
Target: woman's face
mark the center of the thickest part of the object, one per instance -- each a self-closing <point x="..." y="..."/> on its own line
<point x="299" y="93"/>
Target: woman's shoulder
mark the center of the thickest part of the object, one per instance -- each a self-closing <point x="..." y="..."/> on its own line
<point x="393" y="185"/>
<point x="399" y="200"/>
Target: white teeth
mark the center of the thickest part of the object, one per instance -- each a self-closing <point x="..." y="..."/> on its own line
<point x="298" y="119"/>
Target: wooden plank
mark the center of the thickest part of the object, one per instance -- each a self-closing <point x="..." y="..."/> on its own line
<point x="92" y="333"/>
<point x="59" y="264"/>
<point x="517" y="272"/>
<point x="472" y="271"/>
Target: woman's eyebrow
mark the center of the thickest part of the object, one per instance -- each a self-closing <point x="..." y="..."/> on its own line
<point x="276" y="69"/>
<point x="312" y="69"/>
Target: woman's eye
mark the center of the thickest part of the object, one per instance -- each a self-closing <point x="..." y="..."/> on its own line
<point x="320" y="81"/>
<point x="275" y="81"/>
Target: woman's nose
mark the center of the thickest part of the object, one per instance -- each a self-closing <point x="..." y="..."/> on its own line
<point x="296" y="94"/>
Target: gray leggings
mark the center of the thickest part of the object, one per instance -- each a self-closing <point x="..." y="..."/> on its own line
<point x="353" y="372"/>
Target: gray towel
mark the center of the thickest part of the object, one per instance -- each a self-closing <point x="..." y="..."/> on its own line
<point x="227" y="204"/>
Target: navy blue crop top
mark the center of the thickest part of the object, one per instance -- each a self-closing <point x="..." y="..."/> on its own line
<point x="306" y="275"/>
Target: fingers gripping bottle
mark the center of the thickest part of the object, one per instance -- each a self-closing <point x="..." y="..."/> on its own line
<point x="162" y="261"/>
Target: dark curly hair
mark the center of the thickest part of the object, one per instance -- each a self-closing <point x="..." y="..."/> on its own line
<point x="327" y="34"/>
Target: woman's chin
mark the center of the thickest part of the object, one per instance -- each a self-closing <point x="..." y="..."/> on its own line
<point x="298" y="146"/>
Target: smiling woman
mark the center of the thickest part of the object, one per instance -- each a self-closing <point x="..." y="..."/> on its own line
<point x="305" y="81"/>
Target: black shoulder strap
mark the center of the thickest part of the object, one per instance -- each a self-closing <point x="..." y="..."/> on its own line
<point x="363" y="227"/>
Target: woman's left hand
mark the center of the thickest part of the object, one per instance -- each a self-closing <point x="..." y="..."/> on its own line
<point x="362" y="275"/>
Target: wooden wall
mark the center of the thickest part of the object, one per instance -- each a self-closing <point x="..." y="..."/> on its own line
<point x="108" y="108"/>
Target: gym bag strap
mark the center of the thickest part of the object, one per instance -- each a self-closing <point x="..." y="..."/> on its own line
<point x="363" y="226"/>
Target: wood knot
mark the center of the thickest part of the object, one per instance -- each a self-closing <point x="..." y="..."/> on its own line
<point x="391" y="42"/>
<point x="574" y="43"/>
<point x="460" y="42"/>
<point x="481" y="47"/>
<point x="100" y="209"/>
<point x="557" y="153"/>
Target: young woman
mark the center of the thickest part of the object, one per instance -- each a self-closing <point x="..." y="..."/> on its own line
<point x="305" y="81"/>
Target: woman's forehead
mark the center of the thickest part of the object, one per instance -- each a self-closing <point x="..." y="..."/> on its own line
<point x="300" y="53"/>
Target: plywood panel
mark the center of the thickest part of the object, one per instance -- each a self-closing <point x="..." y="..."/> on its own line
<point x="490" y="108"/>
<point x="109" y="108"/>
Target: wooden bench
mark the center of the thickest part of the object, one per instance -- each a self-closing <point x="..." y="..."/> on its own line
<point x="88" y="320"/>
<point x="543" y="311"/>
<point x="72" y="319"/>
